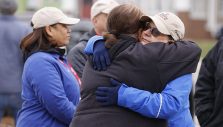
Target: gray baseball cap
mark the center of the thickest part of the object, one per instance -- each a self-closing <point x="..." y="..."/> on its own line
<point x="167" y="23"/>
<point x="51" y="15"/>
<point x="102" y="6"/>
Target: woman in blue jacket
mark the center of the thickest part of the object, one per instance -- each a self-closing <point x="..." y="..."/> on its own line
<point x="50" y="87"/>
<point x="171" y="104"/>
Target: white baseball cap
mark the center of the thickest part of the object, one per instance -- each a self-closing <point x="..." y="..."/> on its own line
<point x="102" y="6"/>
<point x="51" y="15"/>
<point x="168" y="24"/>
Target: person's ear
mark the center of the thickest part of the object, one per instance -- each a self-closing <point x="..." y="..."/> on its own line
<point x="48" y="30"/>
<point x="94" y="20"/>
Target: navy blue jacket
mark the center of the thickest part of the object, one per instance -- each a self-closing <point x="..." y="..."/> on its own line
<point x="11" y="33"/>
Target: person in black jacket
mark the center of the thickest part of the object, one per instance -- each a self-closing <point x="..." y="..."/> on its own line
<point x="209" y="90"/>
<point x="219" y="34"/>
<point x="132" y="63"/>
<point x="99" y="13"/>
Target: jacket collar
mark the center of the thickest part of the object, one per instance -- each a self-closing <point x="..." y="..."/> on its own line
<point x="57" y="53"/>
<point x="124" y="42"/>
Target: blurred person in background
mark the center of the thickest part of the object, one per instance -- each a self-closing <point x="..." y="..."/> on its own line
<point x="209" y="87"/>
<point x="11" y="33"/>
<point x="50" y="86"/>
<point x="99" y="13"/>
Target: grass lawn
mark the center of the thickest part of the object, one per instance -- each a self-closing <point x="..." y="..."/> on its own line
<point x="205" y="45"/>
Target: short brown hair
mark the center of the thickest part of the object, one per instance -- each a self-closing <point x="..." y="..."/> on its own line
<point x="123" y="19"/>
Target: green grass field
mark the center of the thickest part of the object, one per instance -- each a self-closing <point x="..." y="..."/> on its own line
<point x="205" y="45"/>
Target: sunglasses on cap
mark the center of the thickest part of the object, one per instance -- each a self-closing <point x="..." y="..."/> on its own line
<point x="154" y="31"/>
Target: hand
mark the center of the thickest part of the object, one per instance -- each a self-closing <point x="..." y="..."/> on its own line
<point x="108" y="95"/>
<point x="101" y="57"/>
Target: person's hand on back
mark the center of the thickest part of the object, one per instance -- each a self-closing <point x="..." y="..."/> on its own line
<point x="108" y="95"/>
<point x="101" y="57"/>
<point x="96" y="47"/>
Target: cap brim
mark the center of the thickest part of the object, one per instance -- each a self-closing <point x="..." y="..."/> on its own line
<point x="160" y="25"/>
<point x="158" y="22"/>
<point x="106" y="11"/>
<point x="69" y="21"/>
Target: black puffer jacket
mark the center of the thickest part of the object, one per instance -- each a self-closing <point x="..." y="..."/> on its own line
<point x="139" y="65"/>
<point x="209" y="89"/>
<point x="76" y="55"/>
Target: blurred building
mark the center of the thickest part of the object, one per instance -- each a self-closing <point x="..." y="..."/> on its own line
<point x="202" y="18"/>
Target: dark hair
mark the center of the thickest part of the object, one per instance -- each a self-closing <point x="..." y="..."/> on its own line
<point x="8" y="7"/>
<point x="123" y="19"/>
<point x="35" y="41"/>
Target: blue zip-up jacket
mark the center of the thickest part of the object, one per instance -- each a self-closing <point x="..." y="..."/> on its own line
<point x="171" y="104"/>
<point x="49" y="90"/>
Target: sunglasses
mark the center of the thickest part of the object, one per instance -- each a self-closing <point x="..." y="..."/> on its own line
<point x="155" y="32"/>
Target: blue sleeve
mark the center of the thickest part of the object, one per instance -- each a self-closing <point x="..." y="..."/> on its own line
<point x="48" y="87"/>
<point x="157" y="105"/>
<point x="90" y="44"/>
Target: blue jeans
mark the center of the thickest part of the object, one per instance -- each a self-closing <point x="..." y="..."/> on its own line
<point x="13" y="102"/>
